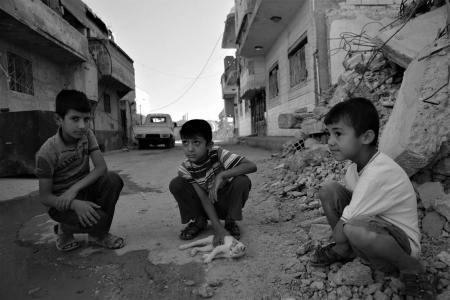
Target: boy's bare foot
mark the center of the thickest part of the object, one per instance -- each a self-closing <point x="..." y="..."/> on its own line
<point x="108" y="241"/>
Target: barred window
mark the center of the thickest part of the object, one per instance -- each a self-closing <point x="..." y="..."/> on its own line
<point x="20" y="74"/>
<point x="107" y="103"/>
<point x="273" y="82"/>
<point x="297" y="63"/>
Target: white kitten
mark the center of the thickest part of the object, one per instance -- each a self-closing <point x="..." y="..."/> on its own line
<point x="231" y="248"/>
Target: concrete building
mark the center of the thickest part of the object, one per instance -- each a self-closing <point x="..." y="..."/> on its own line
<point x="283" y="57"/>
<point x="282" y="60"/>
<point x="49" y="45"/>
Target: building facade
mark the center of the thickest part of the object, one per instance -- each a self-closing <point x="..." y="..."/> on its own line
<point x="49" y="45"/>
<point x="283" y="56"/>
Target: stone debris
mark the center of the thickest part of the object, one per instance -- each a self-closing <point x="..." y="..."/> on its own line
<point x="432" y="224"/>
<point x="444" y="257"/>
<point x="352" y="273"/>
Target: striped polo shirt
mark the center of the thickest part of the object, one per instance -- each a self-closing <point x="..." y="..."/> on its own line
<point x="65" y="164"/>
<point x="203" y="174"/>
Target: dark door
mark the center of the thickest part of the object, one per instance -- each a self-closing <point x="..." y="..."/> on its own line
<point x="258" y="111"/>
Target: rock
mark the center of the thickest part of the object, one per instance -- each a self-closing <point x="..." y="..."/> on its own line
<point x="396" y="284"/>
<point x="352" y="62"/>
<point x="319" y="220"/>
<point x="416" y="129"/>
<point x="444" y="295"/>
<point x="432" y="224"/>
<point x="320" y="232"/>
<point x="414" y="36"/>
<point x="289" y="120"/>
<point x="205" y="291"/>
<point x="443" y="167"/>
<point x="318" y="285"/>
<point x="432" y="195"/>
<point x="353" y="273"/>
<point x="189" y="282"/>
<point x="444" y="256"/>
<point x="214" y="283"/>
<point x="372" y="288"/>
<point x="344" y="291"/>
<point x="304" y="248"/>
<point x="379" y="295"/>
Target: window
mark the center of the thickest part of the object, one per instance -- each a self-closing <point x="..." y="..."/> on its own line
<point x="297" y="63"/>
<point x="20" y="74"/>
<point x="107" y="103"/>
<point x="273" y="82"/>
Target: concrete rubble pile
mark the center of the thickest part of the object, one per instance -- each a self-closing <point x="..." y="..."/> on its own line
<point x="412" y="100"/>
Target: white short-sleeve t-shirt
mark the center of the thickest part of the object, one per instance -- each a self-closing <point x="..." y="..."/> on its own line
<point x="383" y="189"/>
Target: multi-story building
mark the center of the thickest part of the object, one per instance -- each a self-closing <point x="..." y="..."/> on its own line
<point x="49" y="45"/>
<point x="279" y="49"/>
<point x="283" y="55"/>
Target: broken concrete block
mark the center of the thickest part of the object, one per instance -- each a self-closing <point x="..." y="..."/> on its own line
<point x="288" y="120"/>
<point x="320" y="232"/>
<point x="417" y="129"/>
<point x="432" y="224"/>
<point x="417" y="33"/>
<point x="443" y="167"/>
<point x="352" y="62"/>
<point x="313" y="126"/>
<point x="432" y="195"/>
<point x="352" y="273"/>
<point x="444" y="257"/>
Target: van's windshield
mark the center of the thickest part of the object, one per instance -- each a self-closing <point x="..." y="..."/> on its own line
<point x="151" y="120"/>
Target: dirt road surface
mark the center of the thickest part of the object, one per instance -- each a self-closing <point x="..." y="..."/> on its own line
<point x="150" y="266"/>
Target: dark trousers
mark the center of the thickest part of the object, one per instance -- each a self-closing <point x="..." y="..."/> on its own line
<point x="231" y="199"/>
<point x="104" y="192"/>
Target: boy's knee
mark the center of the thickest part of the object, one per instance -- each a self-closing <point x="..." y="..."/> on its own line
<point x="242" y="181"/>
<point x="359" y="235"/>
<point x="114" y="178"/>
<point x="176" y="184"/>
<point x="327" y="191"/>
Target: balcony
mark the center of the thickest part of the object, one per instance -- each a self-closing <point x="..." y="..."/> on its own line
<point x="114" y="66"/>
<point x="252" y="77"/>
<point x="264" y="25"/>
<point x="229" y="78"/>
<point x="32" y="24"/>
<point x="229" y="34"/>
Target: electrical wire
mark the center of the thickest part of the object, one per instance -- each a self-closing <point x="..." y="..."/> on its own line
<point x="194" y="81"/>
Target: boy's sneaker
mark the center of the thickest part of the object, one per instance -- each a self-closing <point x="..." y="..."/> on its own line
<point x="420" y="285"/>
<point x="233" y="229"/>
<point x="193" y="229"/>
<point x="325" y="256"/>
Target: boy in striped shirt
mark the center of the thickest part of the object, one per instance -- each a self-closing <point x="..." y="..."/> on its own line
<point x="211" y="184"/>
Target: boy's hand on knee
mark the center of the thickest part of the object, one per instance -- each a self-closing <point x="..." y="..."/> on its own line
<point x="65" y="199"/>
<point x="86" y="212"/>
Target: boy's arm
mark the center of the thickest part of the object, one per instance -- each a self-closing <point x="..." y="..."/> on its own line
<point x="98" y="171"/>
<point x="245" y="166"/>
<point x="219" y="230"/>
<point x="45" y="193"/>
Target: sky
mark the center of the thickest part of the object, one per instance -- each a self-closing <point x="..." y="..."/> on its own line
<point x="170" y="43"/>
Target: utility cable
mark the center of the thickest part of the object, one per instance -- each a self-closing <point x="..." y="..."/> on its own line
<point x="194" y="81"/>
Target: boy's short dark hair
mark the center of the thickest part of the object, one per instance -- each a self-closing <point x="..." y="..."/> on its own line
<point x="196" y="127"/>
<point x="71" y="99"/>
<point x="360" y="113"/>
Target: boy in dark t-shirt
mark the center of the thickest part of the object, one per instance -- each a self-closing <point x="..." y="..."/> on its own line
<point x="80" y="200"/>
<point x="211" y="184"/>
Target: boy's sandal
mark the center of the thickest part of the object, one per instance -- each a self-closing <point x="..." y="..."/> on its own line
<point x="109" y="241"/>
<point x="65" y="242"/>
<point x="233" y="229"/>
<point x="420" y="285"/>
<point x="192" y="230"/>
<point x="326" y="256"/>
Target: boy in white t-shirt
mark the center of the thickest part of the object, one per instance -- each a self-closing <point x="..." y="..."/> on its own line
<point x="375" y="215"/>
